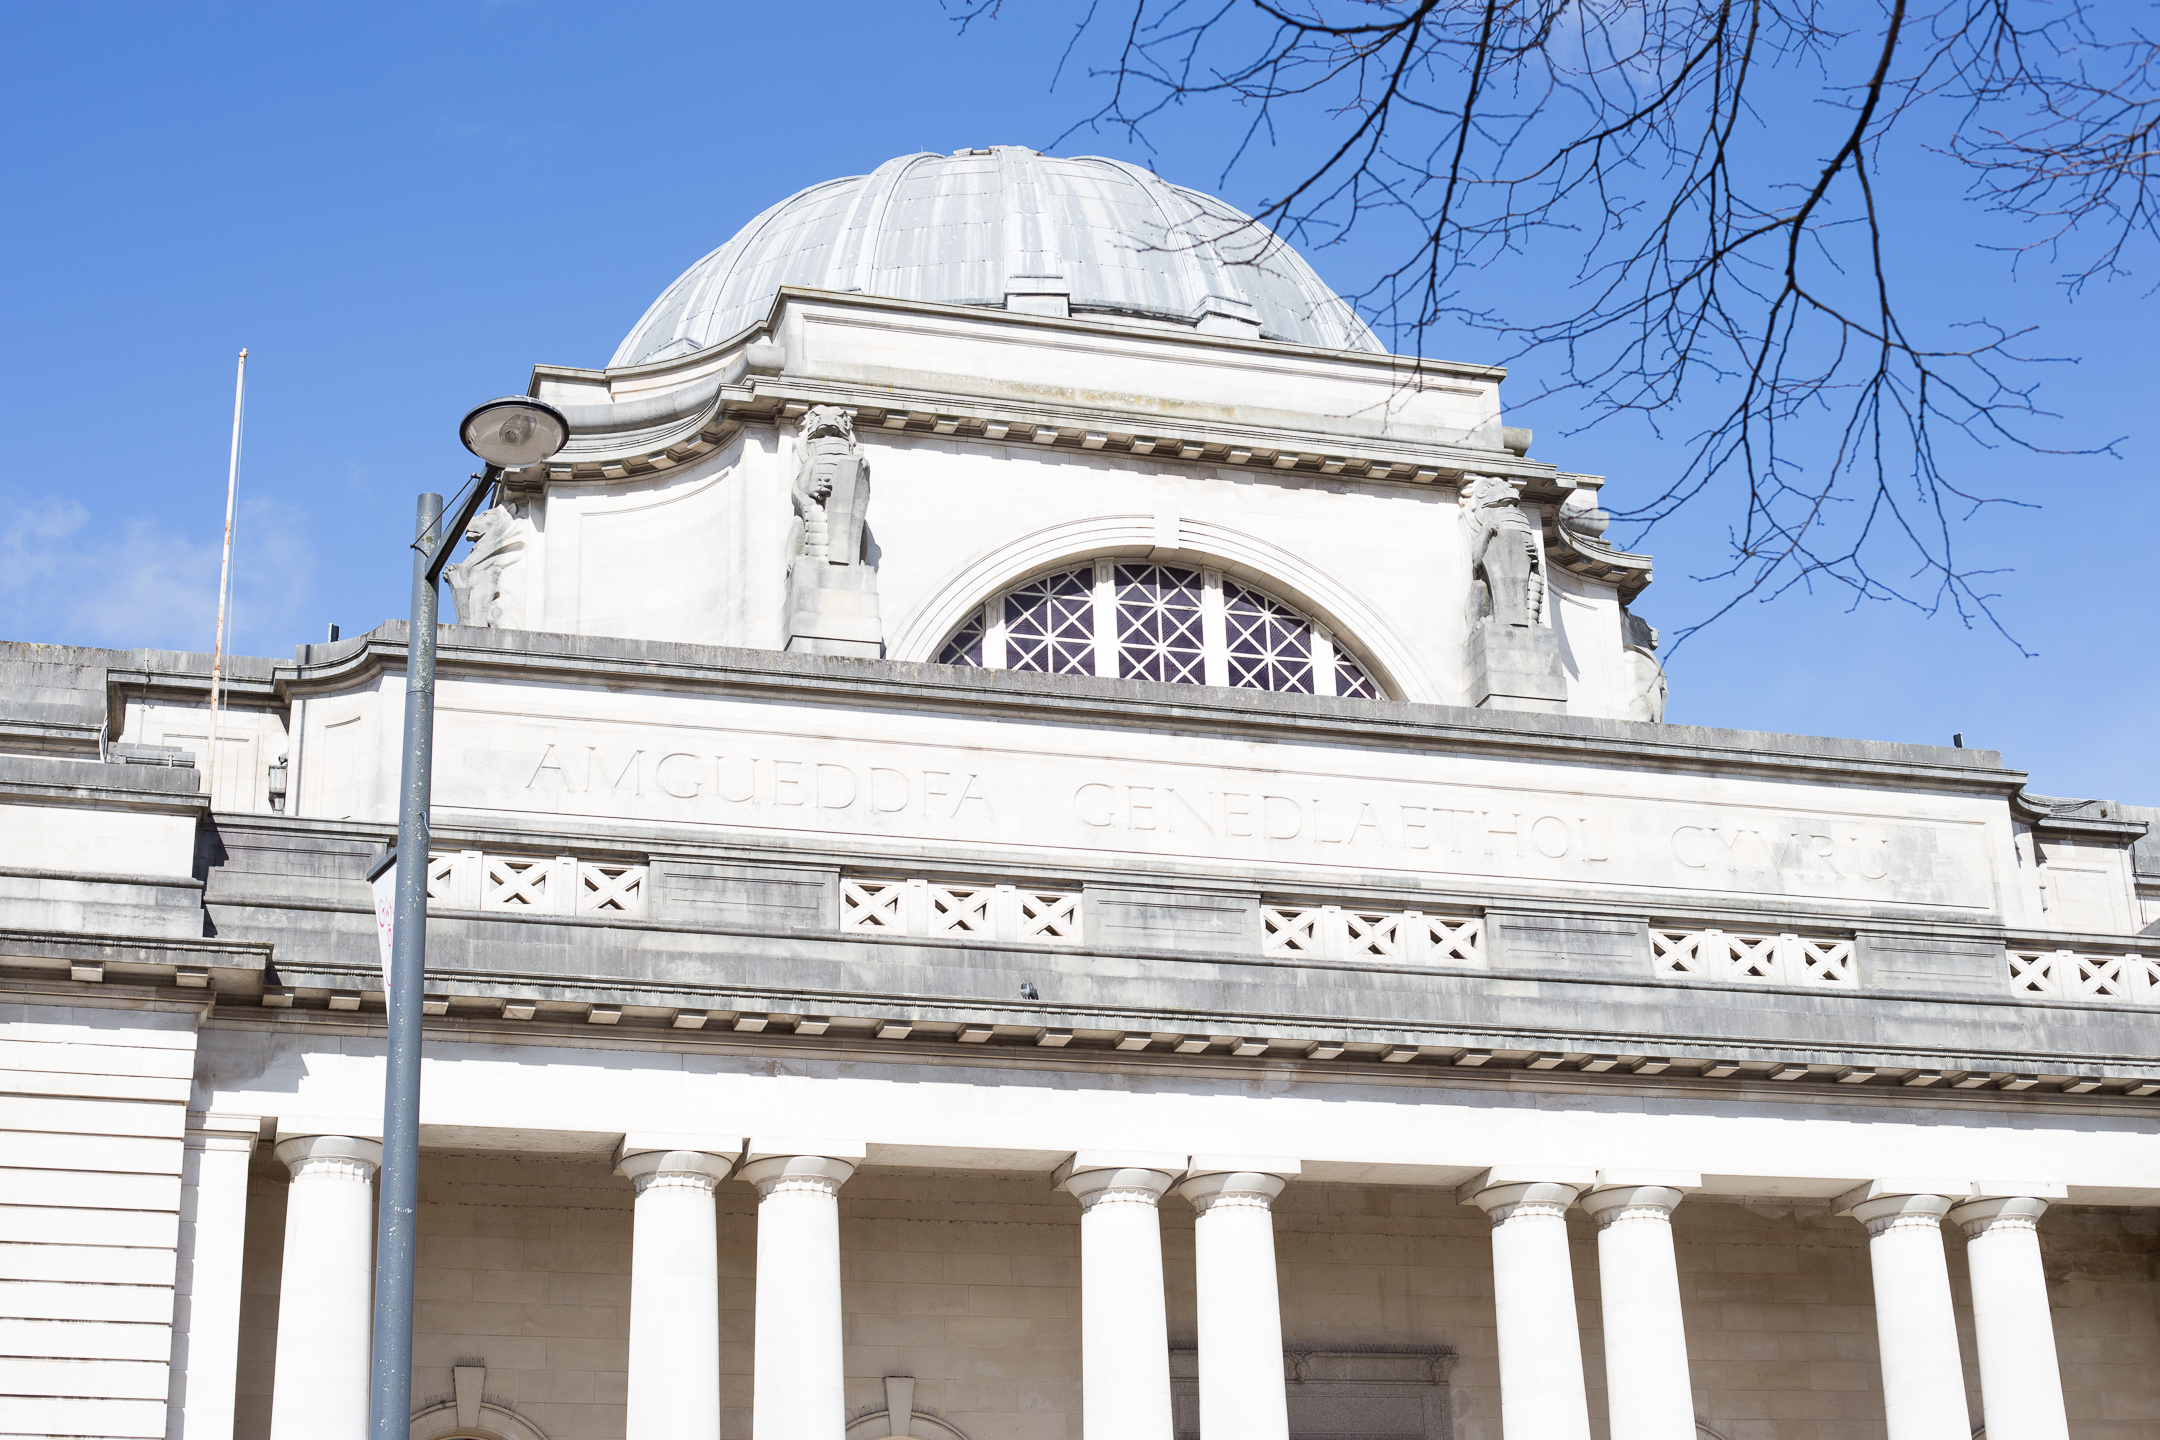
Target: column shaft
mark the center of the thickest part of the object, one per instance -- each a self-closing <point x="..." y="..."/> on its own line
<point x="1647" y="1390"/>
<point x="1124" y="1326"/>
<point x="1242" y="1396"/>
<point x="1542" y="1396"/>
<point x="798" y="1374"/>
<point x="204" y="1376"/>
<point x="326" y="1289"/>
<point x="1915" y="1327"/>
<point x="673" y="1386"/>
<point x="2021" y="1394"/>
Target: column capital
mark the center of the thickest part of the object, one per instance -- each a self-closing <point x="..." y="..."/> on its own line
<point x="346" y="1156"/>
<point x="1898" y="1186"/>
<point x="1620" y="1204"/>
<point x="1135" y="1176"/>
<point x="1899" y="1212"/>
<point x="1236" y="1180"/>
<point x="1509" y="1190"/>
<point x="2006" y="1212"/>
<point x="700" y="1162"/>
<point x="797" y="1172"/>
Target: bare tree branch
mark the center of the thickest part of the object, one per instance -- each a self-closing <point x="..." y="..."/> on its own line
<point x="1714" y="183"/>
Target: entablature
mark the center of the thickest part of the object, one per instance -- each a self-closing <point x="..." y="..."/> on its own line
<point x="655" y="418"/>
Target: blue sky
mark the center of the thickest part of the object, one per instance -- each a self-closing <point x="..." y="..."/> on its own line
<point x="400" y="209"/>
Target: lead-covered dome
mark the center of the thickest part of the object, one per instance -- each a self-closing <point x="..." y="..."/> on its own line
<point x="982" y="227"/>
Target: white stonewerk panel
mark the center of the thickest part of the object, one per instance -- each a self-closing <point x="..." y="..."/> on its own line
<point x="870" y="780"/>
<point x="55" y="1225"/>
<point x="83" y="1340"/>
<point x="89" y="1222"/>
<point x="101" y="1379"/>
<point x="102" y="1190"/>
<point x="642" y="554"/>
<point x="82" y="1415"/>
<point x="68" y="1116"/>
<point x="103" y="1087"/>
<point x="89" y="1190"/>
<point x="130" y="1305"/>
<point x="96" y="841"/>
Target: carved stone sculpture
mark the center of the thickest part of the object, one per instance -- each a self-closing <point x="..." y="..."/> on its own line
<point x="483" y="585"/>
<point x="832" y="487"/>
<point x="1513" y="661"/>
<point x="1646" y="677"/>
<point x="1503" y="552"/>
<point x="832" y="587"/>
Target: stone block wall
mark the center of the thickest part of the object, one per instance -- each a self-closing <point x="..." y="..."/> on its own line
<point x="971" y="1283"/>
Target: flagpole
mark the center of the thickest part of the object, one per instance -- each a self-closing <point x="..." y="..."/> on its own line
<point x="217" y="654"/>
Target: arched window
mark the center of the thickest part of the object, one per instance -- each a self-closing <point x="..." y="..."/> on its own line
<point x="1137" y="620"/>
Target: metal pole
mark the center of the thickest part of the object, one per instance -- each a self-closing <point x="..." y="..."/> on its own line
<point x="224" y="587"/>
<point x="390" y="1395"/>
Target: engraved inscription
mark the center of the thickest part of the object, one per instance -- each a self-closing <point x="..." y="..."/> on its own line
<point x="1430" y="817"/>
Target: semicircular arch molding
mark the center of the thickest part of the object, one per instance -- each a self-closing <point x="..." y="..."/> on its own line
<point x="878" y="1426"/>
<point x="496" y="1422"/>
<point x="1200" y="541"/>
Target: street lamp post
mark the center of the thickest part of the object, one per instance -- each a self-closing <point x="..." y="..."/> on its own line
<point x="505" y="433"/>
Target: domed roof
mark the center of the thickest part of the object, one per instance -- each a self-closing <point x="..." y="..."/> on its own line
<point x="972" y="227"/>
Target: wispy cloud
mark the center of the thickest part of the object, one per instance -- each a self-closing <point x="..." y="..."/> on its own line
<point x="73" y="576"/>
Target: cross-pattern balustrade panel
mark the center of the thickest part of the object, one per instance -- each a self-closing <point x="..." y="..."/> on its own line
<point x="2127" y="979"/>
<point x="937" y="908"/>
<point x="537" y="885"/>
<point x="1743" y="959"/>
<point x="1351" y="932"/>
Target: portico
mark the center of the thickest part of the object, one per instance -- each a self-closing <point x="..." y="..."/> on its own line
<point x="788" y="1276"/>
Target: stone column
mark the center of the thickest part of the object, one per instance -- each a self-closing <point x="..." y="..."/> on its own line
<point x="1648" y="1395"/>
<point x="202" y="1381"/>
<point x="1124" y="1329"/>
<point x="673" y="1388"/>
<point x="1240" y="1311"/>
<point x="326" y="1289"/>
<point x="798" y="1390"/>
<point x="1923" y="1382"/>
<point x="1541" y="1375"/>
<point x="2021" y="1395"/>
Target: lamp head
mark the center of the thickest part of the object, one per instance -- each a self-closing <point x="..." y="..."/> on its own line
<point x="514" y="431"/>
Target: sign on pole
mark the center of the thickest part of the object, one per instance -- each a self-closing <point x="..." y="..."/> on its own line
<point x="382" y="879"/>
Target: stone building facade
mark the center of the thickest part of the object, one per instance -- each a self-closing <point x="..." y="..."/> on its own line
<point x="1036" y="839"/>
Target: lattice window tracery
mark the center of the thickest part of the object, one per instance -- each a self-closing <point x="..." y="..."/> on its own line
<point x="1050" y="625"/>
<point x="1158" y="623"/>
<point x="966" y="645"/>
<point x="1270" y="645"/>
<point x="1149" y="621"/>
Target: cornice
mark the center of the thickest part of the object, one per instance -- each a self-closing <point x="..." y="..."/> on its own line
<point x="1590" y="557"/>
<point x="657" y="430"/>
